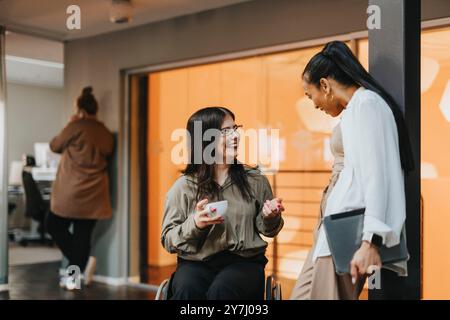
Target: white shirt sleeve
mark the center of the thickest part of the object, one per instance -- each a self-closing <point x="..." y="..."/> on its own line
<point x="370" y="142"/>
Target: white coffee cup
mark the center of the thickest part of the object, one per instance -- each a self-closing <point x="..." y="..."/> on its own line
<point x="220" y="206"/>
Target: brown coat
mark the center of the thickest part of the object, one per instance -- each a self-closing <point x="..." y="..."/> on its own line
<point x="81" y="188"/>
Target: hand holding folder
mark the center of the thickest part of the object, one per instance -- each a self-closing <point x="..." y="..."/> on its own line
<point x="344" y="234"/>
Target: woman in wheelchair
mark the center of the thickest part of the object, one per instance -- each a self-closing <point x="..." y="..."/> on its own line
<point x="220" y="256"/>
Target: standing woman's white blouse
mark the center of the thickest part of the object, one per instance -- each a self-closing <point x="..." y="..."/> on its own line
<point x="372" y="177"/>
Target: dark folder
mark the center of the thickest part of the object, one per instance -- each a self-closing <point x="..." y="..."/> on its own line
<point x="344" y="234"/>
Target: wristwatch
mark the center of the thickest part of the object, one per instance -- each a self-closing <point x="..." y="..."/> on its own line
<point x="373" y="238"/>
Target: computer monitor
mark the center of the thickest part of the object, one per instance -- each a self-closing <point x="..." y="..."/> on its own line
<point x="44" y="156"/>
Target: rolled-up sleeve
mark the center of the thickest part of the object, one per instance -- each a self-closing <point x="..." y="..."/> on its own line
<point x="269" y="227"/>
<point x="179" y="232"/>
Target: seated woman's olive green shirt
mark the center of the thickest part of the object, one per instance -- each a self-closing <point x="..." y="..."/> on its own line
<point x="240" y="232"/>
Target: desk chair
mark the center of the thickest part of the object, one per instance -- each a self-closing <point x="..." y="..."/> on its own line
<point x="35" y="208"/>
<point x="11" y="207"/>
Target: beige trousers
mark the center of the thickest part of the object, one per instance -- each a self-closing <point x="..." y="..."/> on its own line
<point x="319" y="281"/>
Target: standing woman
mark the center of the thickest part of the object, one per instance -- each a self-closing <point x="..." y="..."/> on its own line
<point x="80" y="193"/>
<point x="219" y="257"/>
<point x="372" y="151"/>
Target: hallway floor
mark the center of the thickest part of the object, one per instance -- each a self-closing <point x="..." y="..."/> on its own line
<point x="40" y="282"/>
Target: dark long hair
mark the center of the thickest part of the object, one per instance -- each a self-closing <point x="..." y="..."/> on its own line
<point x="212" y="118"/>
<point x="87" y="102"/>
<point x="338" y="62"/>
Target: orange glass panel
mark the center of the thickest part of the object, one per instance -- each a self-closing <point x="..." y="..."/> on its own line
<point x="363" y="52"/>
<point x="167" y="112"/>
<point x="435" y="159"/>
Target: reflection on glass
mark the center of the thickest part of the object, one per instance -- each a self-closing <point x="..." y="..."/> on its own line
<point x="435" y="158"/>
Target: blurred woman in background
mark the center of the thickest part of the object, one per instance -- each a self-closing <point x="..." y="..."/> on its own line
<point x="80" y="193"/>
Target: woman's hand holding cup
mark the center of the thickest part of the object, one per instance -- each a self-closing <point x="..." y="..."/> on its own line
<point x="202" y="218"/>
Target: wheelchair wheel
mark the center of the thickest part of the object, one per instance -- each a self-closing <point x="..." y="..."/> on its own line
<point x="273" y="289"/>
<point x="161" y="294"/>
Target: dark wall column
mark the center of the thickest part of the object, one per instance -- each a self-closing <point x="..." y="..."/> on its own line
<point x="394" y="60"/>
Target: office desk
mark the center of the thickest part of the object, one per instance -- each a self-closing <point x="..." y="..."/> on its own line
<point x="44" y="177"/>
<point x="43" y="174"/>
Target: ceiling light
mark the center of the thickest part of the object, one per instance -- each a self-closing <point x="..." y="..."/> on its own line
<point x="121" y="11"/>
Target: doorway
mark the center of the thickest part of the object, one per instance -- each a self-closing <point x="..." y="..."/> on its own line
<point x="263" y="91"/>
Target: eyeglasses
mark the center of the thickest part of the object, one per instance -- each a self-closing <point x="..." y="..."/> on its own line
<point x="229" y="130"/>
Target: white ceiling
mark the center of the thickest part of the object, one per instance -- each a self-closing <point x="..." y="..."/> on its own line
<point x="47" y="18"/>
<point x="26" y="46"/>
<point x="34" y="48"/>
<point x="34" y="72"/>
<point x="34" y="61"/>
